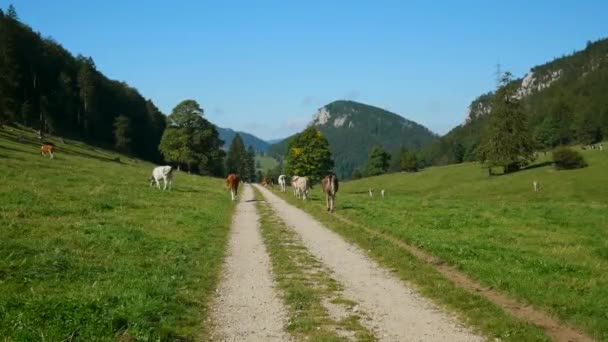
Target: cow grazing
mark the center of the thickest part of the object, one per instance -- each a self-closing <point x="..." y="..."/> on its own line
<point x="536" y="186"/>
<point x="330" y="188"/>
<point x="283" y="183"/>
<point x="302" y="187"/>
<point x="164" y="173"/>
<point x="232" y="182"/>
<point x="47" y="148"/>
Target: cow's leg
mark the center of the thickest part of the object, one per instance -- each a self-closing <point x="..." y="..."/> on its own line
<point x="51" y="153"/>
<point x="157" y="181"/>
<point x="327" y="201"/>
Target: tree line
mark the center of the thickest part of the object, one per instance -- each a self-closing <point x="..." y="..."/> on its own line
<point x="46" y="88"/>
<point x="43" y="86"/>
<point x="572" y="109"/>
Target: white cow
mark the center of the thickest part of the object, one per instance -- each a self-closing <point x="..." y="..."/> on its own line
<point x="162" y="172"/>
<point x="302" y="187"/>
<point x="382" y="193"/>
<point x="283" y="183"/>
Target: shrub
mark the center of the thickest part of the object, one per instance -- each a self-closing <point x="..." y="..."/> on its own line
<point x="566" y="158"/>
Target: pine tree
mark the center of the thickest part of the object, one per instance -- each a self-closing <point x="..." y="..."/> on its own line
<point x="122" y="134"/>
<point x="507" y="142"/>
<point x="235" y="157"/>
<point x="250" y="164"/>
<point x="308" y="155"/>
<point x="588" y="130"/>
<point x="12" y="12"/>
<point x="408" y="161"/>
<point x="378" y="162"/>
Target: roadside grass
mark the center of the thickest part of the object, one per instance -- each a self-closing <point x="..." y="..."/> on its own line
<point x="548" y="249"/>
<point x="88" y="252"/>
<point x="307" y="286"/>
<point x="473" y="309"/>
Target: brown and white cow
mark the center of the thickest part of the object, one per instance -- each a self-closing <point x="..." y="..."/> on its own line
<point x="232" y="182"/>
<point x="330" y="188"/>
<point x="47" y="148"/>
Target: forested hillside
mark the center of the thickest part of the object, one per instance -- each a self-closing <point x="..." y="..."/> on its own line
<point x="565" y="101"/>
<point x="43" y="86"/>
<point x="353" y="128"/>
<point x="227" y="135"/>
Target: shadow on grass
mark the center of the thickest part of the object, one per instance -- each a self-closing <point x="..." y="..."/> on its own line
<point x="535" y="166"/>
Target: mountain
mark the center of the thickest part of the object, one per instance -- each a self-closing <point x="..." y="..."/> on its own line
<point x="274" y="141"/>
<point x="227" y="134"/>
<point x="565" y="99"/>
<point x="353" y="128"/>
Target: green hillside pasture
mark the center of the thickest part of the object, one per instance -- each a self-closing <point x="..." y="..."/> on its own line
<point x="88" y="252"/>
<point x="549" y="248"/>
<point x="266" y="163"/>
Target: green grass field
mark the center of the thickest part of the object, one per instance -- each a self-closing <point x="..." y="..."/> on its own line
<point x="88" y="252"/>
<point x="549" y="249"/>
<point x="266" y="163"/>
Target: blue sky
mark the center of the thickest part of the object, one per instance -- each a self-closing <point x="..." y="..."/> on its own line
<point x="266" y="66"/>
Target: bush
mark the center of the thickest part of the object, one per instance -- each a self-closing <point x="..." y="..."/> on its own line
<point x="566" y="158"/>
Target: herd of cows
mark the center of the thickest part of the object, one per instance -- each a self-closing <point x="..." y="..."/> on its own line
<point x="301" y="185"/>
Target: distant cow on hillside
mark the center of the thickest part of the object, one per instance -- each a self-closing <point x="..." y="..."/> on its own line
<point x="47" y="148"/>
<point x="164" y="173"/>
<point x="232" y="182"/>
<point x="330" y="188"/>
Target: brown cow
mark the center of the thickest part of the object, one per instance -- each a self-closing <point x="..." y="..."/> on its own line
<point x="232" y="182"/>
<point x="267" y="182"/>
<point x="330" y="187"/>
<point x="47" y="148"/>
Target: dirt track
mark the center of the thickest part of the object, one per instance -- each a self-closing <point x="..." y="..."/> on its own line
<point x="396" y="312"/>
<point x="246" y="307"/>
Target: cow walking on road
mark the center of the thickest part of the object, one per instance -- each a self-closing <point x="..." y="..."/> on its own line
<point x="232" y="182"/>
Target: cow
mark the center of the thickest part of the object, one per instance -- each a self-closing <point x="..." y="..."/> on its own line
<point x="371" y="193"/>
<point x="302" y="187"/>
<point x="267" y="182"/>
<point x="164" y="173"/>
<point x="294" y="179"/>
<point x="283" y="183"/>
<point x="47" y="148"/>
<point x="330" y="188"/>
<point x="232" y="182"/>
<point x="382" y="193"/>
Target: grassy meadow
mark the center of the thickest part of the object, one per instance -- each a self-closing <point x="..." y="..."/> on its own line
<point x="88" y="252"/>
<point x="266" y="163"/>
<point x="549" y="248"/>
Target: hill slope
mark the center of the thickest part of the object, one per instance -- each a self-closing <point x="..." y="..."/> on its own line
<point x="353" y="128"/>
<point x="88" y="249"/>
<point x="565" y="99"/>
<point x="227" y="134"/>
